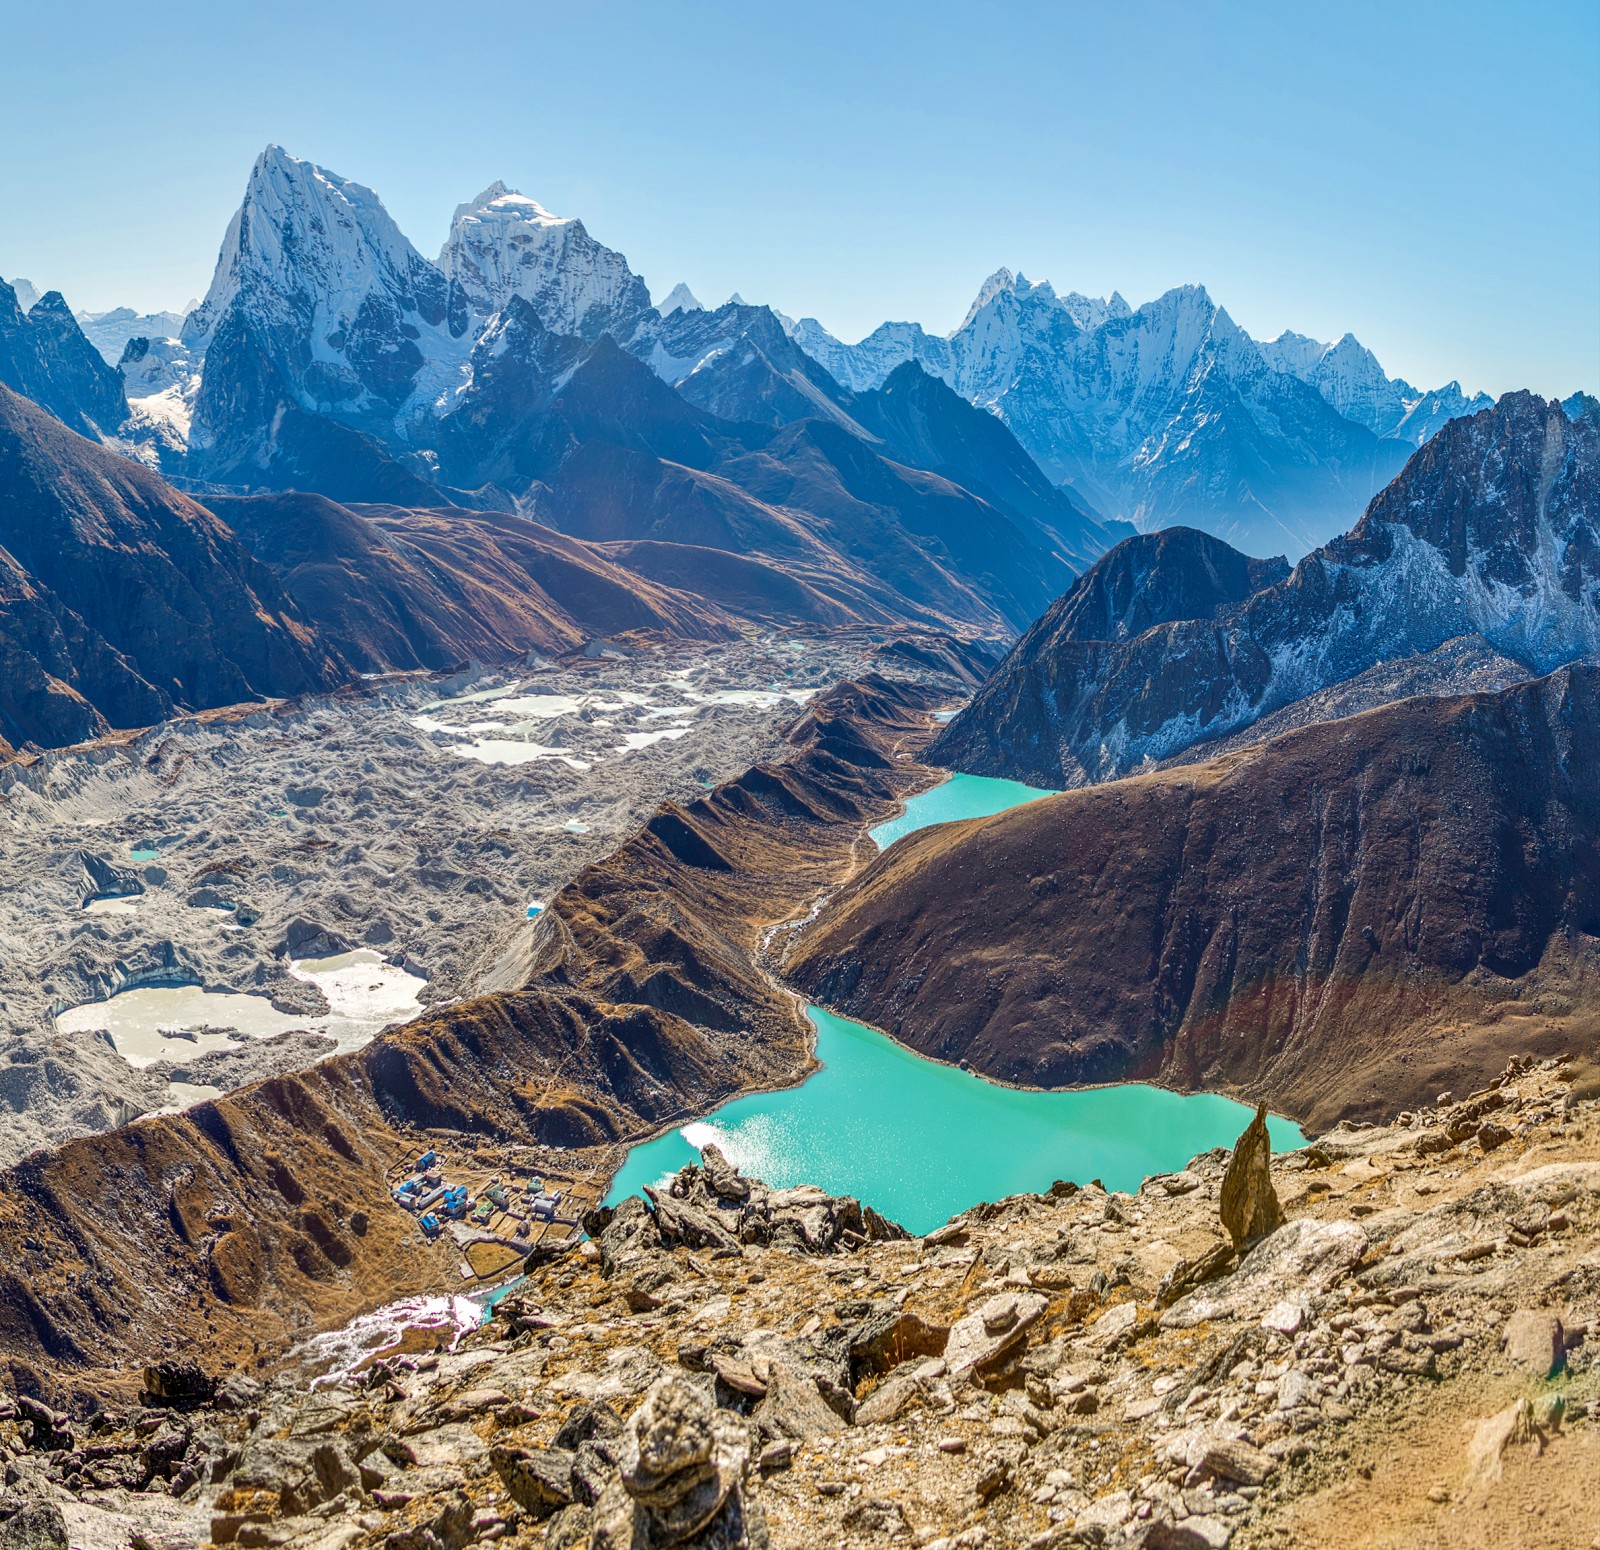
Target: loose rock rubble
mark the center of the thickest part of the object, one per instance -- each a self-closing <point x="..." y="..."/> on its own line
<point x="729" y="1365"/>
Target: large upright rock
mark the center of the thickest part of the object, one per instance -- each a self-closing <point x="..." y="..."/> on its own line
<point x="682" y="1473"/>
<point x="1250" y="1208"/>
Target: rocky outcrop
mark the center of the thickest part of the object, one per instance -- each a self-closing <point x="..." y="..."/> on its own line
<point x="1349" y="918"/>
<point x="715" y="1207"/>
<point x="1250" y="1207"/>
<point x="1490" y="531"/>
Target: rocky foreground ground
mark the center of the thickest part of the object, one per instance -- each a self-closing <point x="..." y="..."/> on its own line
<point x="1407" y="1360"/>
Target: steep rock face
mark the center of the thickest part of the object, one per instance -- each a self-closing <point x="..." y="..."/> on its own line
<point x="44" y="356"/>
<point x="1490" y="531"/>
<point x="1177" y="573"/>
<point x="1348" y="918"/>
<point x="1170" y="413"/>
<point x="503" y="244"/>
<point x="126" y="600"/>
<point x="396" y="588"/>
<point x="271" y="441"/>
<point x="355" y="322"/>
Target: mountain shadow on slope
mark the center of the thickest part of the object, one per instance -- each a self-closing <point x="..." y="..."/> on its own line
<point x="125" y="600"/>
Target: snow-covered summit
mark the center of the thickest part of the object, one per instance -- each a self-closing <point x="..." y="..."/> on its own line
<point x="679" y="299"/>
<point x="1348" y="376"/>
<point x="314" y="248"/>
<point x="504" y="244"/>
<point x="27" y="293"/>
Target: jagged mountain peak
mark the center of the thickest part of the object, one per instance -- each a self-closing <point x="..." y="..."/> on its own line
<point x="504" y="244"/>
<point x="1001" y="280"/>
<point x="308" y="243"/>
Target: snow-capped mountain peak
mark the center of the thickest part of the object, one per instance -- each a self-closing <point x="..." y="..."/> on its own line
<point x="504" y="244"/>
<point x="27" y="293"/>
<point x="1349" y="377"/>
<point x="309" y="245"/>
<point x="1000" y="280"/>
<point x="679" y="299"/>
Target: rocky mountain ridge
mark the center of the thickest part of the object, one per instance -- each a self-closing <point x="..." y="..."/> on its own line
<point x="1492" y="531"/>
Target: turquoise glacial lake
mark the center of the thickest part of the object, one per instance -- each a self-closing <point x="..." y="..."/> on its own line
<point x="962" y="796"/>
<point x="920" y="1141"/>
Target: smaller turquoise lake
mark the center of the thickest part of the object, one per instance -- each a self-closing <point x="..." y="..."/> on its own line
<point x="920" y="1141"/>
<point x="962" y="796"/>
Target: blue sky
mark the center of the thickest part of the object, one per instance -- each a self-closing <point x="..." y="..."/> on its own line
<point x="1425" y="175"/>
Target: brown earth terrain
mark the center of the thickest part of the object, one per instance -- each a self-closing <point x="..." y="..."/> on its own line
<point x="122" y="599"/>
<point x="1343" y="921"/>
<point x="394" y="587"/>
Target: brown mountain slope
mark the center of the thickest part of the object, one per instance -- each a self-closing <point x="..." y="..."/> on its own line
<point x="122" y="600"/>
<point x="1343" y="921"/>
<point x="399" y="587"/>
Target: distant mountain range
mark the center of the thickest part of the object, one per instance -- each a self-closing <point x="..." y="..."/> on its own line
<point x="1171" y="412"/>
<point x="1485" y="550"/>
<point x="320" y="307"/>
<point x="510" y="447"/>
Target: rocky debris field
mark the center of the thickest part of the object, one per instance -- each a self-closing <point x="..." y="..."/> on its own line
<point x="415" y="821"/>
<point x="1405" y="1357"/>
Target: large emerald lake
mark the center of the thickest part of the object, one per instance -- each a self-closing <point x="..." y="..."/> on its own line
<point x="922" y="1141"/>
